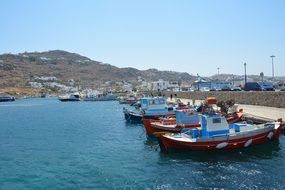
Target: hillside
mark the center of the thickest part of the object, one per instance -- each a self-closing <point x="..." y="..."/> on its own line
<point x="17" y="70"/>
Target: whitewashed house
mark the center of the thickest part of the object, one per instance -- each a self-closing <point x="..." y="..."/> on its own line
<point x="159" y="85"/>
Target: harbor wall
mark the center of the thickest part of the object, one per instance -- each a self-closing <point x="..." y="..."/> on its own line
<point x="271" y="99"/>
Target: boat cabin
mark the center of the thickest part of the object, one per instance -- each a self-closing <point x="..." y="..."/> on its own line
<point x="155" y="105"/>
<point x="214" y="124"/>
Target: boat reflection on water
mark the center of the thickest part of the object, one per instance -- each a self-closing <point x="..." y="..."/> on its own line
<point x="133" y="124"/>
<point x="152" y="143"/>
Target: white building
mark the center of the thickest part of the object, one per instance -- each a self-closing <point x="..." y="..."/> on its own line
<point x="43" y="78"/>
<point x="173" y="85"/>
<point x="159" y="85"/>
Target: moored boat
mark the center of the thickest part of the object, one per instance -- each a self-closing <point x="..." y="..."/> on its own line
<point x="7" y="98"/>
<point x="150" y="108"/>
<point x="109" y="96"/>
<point x="216" y="134"/>
<point x="69" y="97"/>
<point x="184" y="118"/>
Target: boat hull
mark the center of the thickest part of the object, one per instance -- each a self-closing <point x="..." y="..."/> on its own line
<point x="100" y="99"/>
<point x="69" y="100"/>
<point x="227" y="143"/>
<point x="133" y="117"/>
<point x="137" y="117"/>
<point x="156" y="130"/>
<point x="7" y="99"/>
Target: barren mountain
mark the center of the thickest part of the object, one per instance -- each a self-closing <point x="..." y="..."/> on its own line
<point x="17" y="70"/>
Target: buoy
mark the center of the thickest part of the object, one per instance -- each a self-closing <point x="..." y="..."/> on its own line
<point x="222" y="145"/>
<point x="270" y="135"/>
<point x="248" y="142"/>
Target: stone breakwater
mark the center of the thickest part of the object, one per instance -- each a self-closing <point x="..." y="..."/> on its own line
<point x="271" y="99"/>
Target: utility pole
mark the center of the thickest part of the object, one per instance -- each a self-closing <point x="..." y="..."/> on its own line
<point x="198" y="77"/>
<point x="272" y="57"/>
<point x="245" y="73"/>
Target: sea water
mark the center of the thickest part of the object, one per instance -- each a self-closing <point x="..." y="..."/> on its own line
<point x="48" y="144"/>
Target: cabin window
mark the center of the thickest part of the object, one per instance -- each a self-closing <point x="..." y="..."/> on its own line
<point x="216" y="120"/>
<point x="144" y="102"/>
<point x="156" y="101"/>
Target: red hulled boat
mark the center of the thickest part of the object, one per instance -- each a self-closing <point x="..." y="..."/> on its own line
<point x="216" y="134"/>
<point x="184" y="118"/>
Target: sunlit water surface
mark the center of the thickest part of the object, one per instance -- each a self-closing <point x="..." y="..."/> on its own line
<point x="48" y="144"/>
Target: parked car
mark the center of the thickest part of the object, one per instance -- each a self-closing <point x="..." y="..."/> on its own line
<point x="267" y="86"/>
<point x="235" y="88"/>
<point x="226" y="88"/>
<point x="280" y="86"/>
<point x="258" y="86"/>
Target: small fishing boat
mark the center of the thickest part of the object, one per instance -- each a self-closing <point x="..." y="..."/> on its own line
<point x="216" y="134"/>
<point x="184" y="118"/>
<point x="150" y="108"/>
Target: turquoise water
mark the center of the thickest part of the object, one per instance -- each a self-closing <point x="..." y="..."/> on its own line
<point x="48" y="144"/>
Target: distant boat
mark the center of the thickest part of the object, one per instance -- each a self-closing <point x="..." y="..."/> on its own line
<point x="216" y="134"/>
<point x="69" y="97"/>
<point x="7" y="98"/>
<point x="128" y="99"/>
<point x="43" y="95"/>
<point x="109" y="96"/>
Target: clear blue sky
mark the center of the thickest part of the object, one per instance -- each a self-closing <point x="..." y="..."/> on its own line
<point x="184" y="35"/>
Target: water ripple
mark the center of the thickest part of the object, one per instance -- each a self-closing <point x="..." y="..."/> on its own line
<point x="47" y="144"/>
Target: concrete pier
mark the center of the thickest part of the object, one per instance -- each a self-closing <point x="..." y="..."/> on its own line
<point x="264" y="111"/>
<point x="261" y="111"/>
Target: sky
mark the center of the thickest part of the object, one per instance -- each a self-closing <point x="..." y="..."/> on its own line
<point x="194" y="36"/>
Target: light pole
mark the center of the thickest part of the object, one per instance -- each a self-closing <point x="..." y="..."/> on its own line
<point x="198" y="77"/>
<point x="261" y="75"/>
<point x="244" y="73"/>
<point x="272" y="57"/>
<point x="218" y="71"/>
